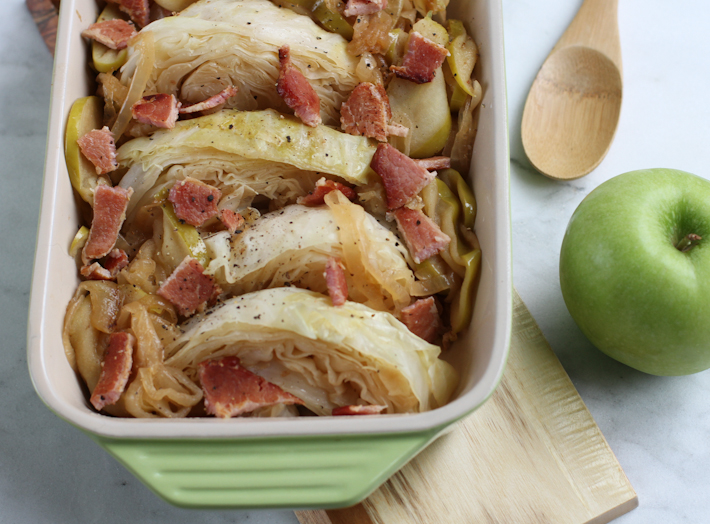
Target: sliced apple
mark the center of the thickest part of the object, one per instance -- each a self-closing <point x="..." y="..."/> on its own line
<point x="424" y="109"/>
<point x="432" y="30"/>
<point x="463" y="55"/>
<point x="86" y="115"/>
<point x="175" y="5"/>
<point x="106" y="59"/>
<point x="186" y="236"/>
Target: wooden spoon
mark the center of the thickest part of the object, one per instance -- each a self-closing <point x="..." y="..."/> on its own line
<point x="573" y="107"/>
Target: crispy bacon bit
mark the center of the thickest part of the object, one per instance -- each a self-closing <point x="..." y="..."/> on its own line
<point x="234" y="222"/>
<point x="364" y="7"/>
<point x="114" y="262"/>
<point x="231" y="390"/>
<point x="422" y="59"/>
<point x="402" y="177"/>
<point x="423" y="319"/>
<point x="423" y="237"/>
<point x="298" y="94"/>
<point x="212" y="102"/>
<point x="158" y="110"/>
<point x="114" y="34"/>
<point x="435" y="162"/>
<point x="188" y="288"/>
<point x="371" y="34"/>
<point x="98" y="146"/>
<point x="110" y="204"/>
<point x="358" y="410"/>
<point x="335" y="280"/>
<point x="115" y="370"/>
<point x="194" y="201"/>
<point x="95" y="271"/>
<point x="367" y="112"/>
<point x="138" y="10"/>
<point x="323" y="187"/>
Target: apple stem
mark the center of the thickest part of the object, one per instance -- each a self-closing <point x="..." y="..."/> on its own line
<point x="688" y="242"/>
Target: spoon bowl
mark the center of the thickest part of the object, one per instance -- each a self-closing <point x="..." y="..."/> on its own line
<point x="572" y="110"/>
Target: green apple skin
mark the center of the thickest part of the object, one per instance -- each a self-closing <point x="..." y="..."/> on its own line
<point x="633" y="293"/>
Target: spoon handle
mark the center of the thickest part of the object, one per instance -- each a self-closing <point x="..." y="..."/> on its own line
<point x="595" y="26"/>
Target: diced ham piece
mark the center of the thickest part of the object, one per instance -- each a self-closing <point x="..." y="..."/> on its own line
<point x="115" y="370"/>
<point x="364" y="7"/>
<point x="295" y="90"/>
<point x="114" y="34"/>
<point x="367" y="112"/>
<point x="335" y="280"/>
<point x="234" y="222"/>
<point x="110" y="204"/>
<point x="422" y="59"/>
<point x="358" y="410"/>
<point x="160" y="110"/>
<point x="138" y="10"/>
<point x="323" y="187"/>
<point x="212" y="102"/>
<point x="188" y="288"/>
<point x="99" y="147"/>
<point x="194" y="201"/>
<point x="435" y="162"/>
<point x="423" y="237"/>
<point x="231" y="390"/>
<point x="423" y="319"/>
<point x="402" y="177"/>
<point x="114" y="262"/>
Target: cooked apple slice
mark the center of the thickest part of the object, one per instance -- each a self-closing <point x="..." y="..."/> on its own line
<point x="86" y="115"/>
<point x="106" y="59"/>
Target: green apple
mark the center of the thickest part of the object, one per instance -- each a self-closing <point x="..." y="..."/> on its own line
<point x="635" y="270"/>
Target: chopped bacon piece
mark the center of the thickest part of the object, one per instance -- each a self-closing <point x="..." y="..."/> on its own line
<point x="423" y="237"/>
<point x="402" y="177"/>
<point x="188" y="288"/>
<point x="99" y="147"/>
<point x="110" y="204"/>
<point x="435" y="162"/>
<point x="234" y="222"/>
<point x="231" y="390"/>
<point x="114" y="34"/>
<point x="138" y="10"/>
<point x="335" y="280"/>
<point x="358" y="410"/>
<point x="423" y="319"/>
<point x="298" y="94"/>
<point x="95" y="271"/>
<point x="422" y="59"/>
<point x="364" y="7"/>
<point x="367" y="112"/>
<point x="115" y="261"/>
<point x="115" y="370"/>
<point x="158" y="110"/>
<point x="194" y="201"/>
<point x="323" y="187"/>
<point x="212" y="102"/>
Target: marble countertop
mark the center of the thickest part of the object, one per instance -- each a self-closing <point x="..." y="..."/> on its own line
<point x="659" y="428"/>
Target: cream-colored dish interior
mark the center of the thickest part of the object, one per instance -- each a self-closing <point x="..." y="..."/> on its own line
<point x="479" y="354"/>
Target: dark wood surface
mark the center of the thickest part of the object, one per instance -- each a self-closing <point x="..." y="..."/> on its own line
<point x="45" y="14"/>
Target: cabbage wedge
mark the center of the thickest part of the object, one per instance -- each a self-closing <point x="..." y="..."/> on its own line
<point x="290" y="247"/>
<point x="215" y="43"/>
<point x="327" y="356"/>
<point x="260" y="152"/>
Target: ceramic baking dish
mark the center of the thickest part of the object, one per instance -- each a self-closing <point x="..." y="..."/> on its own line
<point x="307" y="462"/>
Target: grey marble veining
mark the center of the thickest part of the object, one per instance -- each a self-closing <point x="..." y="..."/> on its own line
<point x="659" y="428"/>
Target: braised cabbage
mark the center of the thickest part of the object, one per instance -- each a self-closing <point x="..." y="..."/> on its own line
<point x="327" y="356"/>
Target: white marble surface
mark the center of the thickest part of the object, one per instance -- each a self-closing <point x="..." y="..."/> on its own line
<point x="659" y="428"/>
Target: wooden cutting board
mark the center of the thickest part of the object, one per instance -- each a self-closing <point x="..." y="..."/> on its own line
<point x="531" y="454"/>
